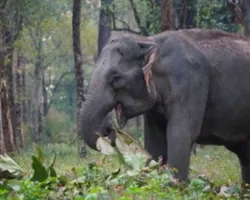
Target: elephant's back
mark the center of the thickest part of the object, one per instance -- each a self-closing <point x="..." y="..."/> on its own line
<point x="228" y="108"/>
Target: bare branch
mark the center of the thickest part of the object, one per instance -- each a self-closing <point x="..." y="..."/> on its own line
<point x="34" y="39"/>
<point x="126" y="29"/>
<point x="56" y="56"/>
<point x="137" y="18"/>
<point x="55" y="89"/>
<point x="125" y="24"/>
<point x="112" y="14"/>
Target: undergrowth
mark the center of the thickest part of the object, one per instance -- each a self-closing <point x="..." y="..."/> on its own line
<point x="56" y="172"/>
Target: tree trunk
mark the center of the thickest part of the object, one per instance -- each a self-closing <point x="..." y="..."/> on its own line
<point x="8" y="65"/>
<point x="104" y="24"/>
<point x="183" y="14"/>
<point x="2" y="145"/>
<point x="37" y="101"/>
<point x="168" y="16"/>
<point x="23" y="92"/>
<point x="18" y="115"/>
<point x="10" y="26"/>
<point x="247" y="17"/>
<point x="11" y="98"/>
<point x="6" y="118"/>
<point x="187" y="14"/>
<point x="191" y="12"/>
<point x="236" y="10"/>
<point x="40" y="121"/>
<point x="45" y="97"/>
<point x="76" y="22"/>
<point x="158" y="2"/>
<point x="6" y="85"/>
<point x="241" y="13"/>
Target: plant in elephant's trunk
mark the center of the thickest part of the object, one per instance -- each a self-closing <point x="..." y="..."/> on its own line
<point x="124" y="145"/>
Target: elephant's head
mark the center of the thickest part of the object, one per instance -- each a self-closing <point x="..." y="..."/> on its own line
<point x="121" y="80"/>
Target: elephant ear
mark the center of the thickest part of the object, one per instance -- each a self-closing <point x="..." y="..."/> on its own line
<point x="148" y="51"/>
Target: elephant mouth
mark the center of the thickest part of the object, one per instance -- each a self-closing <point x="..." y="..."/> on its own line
<point x="121" y="119"/>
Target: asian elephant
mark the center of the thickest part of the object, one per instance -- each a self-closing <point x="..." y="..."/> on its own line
<point x="193" y="86"/>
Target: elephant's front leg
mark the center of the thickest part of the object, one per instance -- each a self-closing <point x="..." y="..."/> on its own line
<point x="155" y="141"/>
<point x="183" y="128"/>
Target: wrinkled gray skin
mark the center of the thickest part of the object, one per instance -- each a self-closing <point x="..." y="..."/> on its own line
<point x="199" y="92"/>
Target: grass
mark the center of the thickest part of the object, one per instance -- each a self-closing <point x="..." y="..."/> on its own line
<point x="67" y="157"/>
<point x="216" y="163"/>
<point x="219" y="166"/>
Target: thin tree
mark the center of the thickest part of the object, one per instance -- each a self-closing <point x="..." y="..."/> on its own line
<point x="168" y="16"/>
<point x="79" y="73"/>
<point x="105" y="18"/>
<point x="10" y="27"/>
<point x="247" y="17"/>
<point x="2" y="145"/>
<point x="18" y="104"/>
<point x="236" y="10"/>
<point x="241" y="13"/>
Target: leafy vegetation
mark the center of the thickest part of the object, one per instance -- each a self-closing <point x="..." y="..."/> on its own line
<point x="214" y="14"/>
<point x="105" y="177"/>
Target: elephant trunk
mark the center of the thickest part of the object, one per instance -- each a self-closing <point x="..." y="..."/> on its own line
<point x="94" y="110"/>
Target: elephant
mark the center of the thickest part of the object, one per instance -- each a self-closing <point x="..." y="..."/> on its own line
<point x="191" y="85"/>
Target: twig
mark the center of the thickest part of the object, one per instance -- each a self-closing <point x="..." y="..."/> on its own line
<point x="126" y="29"/>
<point x="137" y="18"/>
<point x="56" y="87"/>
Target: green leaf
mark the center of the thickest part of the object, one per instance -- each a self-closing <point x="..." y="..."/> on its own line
<point x="9" y="168"/>
<point x="235" y="190"/>
<point x="81" y="179"/>
<point x="115" y="173"/>
<point x="51" y="169"/>
<point x="136" y="161"/>
<point x="5" y="187"/>
<point x="52" y="172"/>
<point x="91" y="197"/>
<point x="14" y="184"/>
<point x="40" y="155"/>
<point x="63" y="179"/>
<point x="40" y="172"/>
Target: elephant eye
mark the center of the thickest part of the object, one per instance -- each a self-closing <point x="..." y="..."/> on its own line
<point x="120" y="52"/>
<point x="116" y="81"/>
<point x="115" y="78"/>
